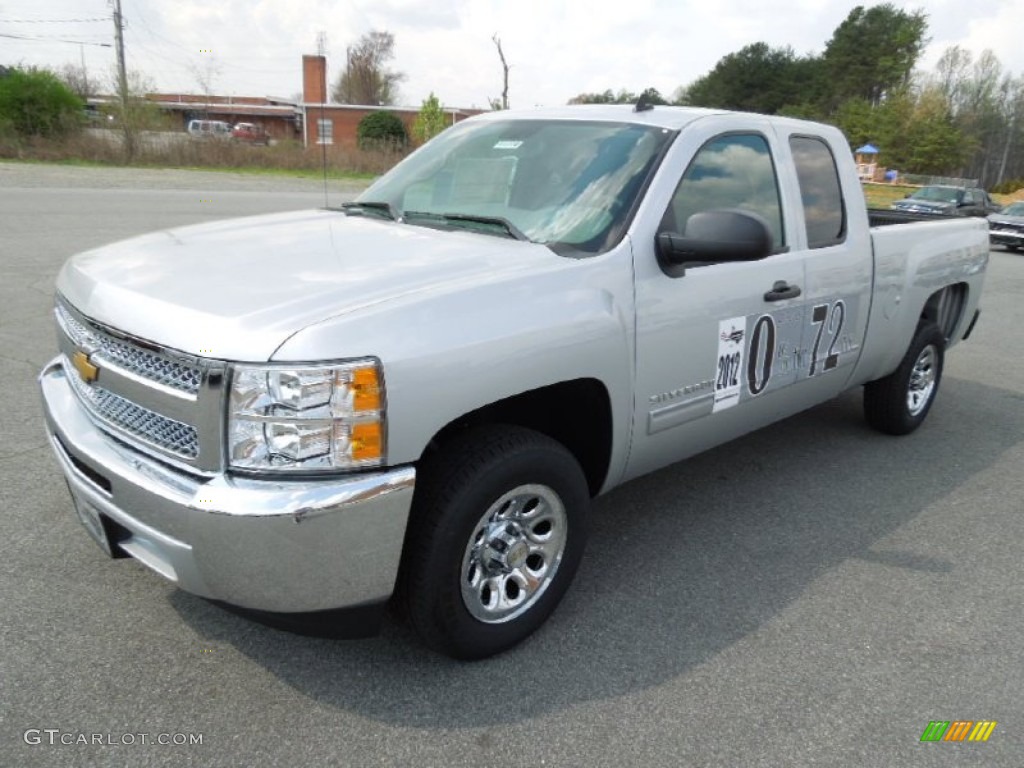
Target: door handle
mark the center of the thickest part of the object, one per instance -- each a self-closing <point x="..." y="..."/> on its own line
<point x="782" y="290"/>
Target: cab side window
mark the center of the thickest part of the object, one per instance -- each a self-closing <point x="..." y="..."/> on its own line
<point x="731" y="171"/>
<point x="824" y="211"/>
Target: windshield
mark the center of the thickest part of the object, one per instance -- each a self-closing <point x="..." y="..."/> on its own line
<point x="1014" y="209"/>
<point x="937" y="194"/>
<point x="568" y="184"/>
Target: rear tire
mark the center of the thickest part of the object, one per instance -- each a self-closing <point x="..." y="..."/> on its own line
<point x="899" y="403"/>
<point x="496" y="534"/>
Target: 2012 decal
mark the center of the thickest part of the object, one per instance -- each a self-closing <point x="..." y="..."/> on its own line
<point x="730" y="363"/>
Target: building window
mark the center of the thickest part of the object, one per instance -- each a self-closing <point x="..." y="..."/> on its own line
<point x="324" y="131"/>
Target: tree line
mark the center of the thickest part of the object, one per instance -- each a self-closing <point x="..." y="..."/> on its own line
<point x="965" y="118"/>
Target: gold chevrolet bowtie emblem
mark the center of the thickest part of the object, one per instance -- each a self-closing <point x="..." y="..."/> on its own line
<point x="84" y="366"/>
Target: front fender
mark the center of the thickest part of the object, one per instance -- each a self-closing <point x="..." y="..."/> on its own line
<point x="451" y="351"/>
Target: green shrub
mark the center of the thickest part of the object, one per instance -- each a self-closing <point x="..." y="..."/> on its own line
<point x="34" y="102"/>
<point x="381" y="129"/>
<point x="430" y="121"/>
<point x="1008" y="187"/>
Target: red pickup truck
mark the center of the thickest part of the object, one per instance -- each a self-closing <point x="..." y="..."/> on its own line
<point x="250" y="133"/>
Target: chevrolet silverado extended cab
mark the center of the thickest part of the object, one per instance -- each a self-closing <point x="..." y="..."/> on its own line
<point x="419" y="393"/>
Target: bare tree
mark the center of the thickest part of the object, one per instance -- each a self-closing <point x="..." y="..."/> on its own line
<point x="366" y="78"/>
<point x="136" y="114"/>
<point x="505" y="67"/>
<point x="76" y="77"/>
<point x="206" y="74"/>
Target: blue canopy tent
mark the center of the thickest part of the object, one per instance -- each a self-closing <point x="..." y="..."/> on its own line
<point x="866" y="158"/>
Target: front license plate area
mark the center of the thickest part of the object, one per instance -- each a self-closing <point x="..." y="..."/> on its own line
<point x="92" y="520"/>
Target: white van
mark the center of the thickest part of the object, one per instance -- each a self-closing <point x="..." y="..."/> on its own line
<point x="216" y="129"/>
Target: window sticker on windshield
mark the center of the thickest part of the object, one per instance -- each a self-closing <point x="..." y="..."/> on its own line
<point x="508" y="144"/>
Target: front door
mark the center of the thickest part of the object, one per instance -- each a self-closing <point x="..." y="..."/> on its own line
<point x="718" y="344"/>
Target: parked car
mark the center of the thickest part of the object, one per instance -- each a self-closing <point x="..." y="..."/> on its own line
<point x="948" y="201"/>
<point x="1006" y="228"/>
<point x="421" y="391"/>
<point x="209" y="129"/>
<point x="250" y="133"/>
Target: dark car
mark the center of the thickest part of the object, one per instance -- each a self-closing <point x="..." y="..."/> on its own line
<point x="1006" y="228"/>
<point x="948" y="201"/>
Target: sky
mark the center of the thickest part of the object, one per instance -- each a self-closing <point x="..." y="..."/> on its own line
<point x="556" y="48"/>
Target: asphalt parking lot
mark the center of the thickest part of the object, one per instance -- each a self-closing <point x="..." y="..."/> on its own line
<point x="812" y="594"/>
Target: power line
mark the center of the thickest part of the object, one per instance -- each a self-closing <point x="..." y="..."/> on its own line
<point x="51" y="21"/>
<point x="53" y="40"/>
<point x="149" y="29"/>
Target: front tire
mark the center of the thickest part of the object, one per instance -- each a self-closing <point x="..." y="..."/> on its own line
<point x="899" y="403"/>
<point x="496" y="534"/>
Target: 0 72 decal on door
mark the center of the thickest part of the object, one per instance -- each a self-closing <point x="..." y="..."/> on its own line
<point x="767" y="351"/>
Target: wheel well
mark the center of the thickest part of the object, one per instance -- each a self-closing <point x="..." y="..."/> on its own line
<point x="576" y="413"/>
<point x="945" y="308"/>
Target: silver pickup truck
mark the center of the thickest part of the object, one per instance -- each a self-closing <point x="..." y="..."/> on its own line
<point x="302" y="415"/>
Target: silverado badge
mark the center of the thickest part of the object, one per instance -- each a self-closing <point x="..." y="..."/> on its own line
<point x="84" y="366"/>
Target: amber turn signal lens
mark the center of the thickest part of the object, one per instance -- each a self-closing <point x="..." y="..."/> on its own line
<point x="365" y="390"/>
<point x="366" y="441"/>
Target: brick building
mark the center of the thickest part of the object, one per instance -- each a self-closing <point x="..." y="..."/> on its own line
<point x="279" y="117"/>
<point x="337" y="123"/>
<point x="311" y="120"/>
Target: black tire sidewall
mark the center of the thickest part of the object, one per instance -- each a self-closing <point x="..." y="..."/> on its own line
<point x="454" y="630"/>
<point x="886" y="399"/>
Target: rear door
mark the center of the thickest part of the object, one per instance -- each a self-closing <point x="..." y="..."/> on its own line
<point x="838" y="265"/>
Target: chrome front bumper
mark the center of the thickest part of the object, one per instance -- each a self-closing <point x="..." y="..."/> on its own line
<point x="1006" y="237"/>
<point x="277" y="546"/>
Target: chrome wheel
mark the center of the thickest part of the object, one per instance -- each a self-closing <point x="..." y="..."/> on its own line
<point x="513" y="553"/>
<point x="922" y="380"/>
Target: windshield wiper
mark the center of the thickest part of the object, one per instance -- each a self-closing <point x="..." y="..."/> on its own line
<point x="460" y="220"/>
<point x="361" y="207"/>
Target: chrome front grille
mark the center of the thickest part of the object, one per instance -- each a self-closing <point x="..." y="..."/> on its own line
<point x="162" y="401"/>
<point x="176" y="374"/>
<point x="159" y="431"/>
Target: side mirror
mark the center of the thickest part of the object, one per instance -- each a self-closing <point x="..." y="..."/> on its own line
<point x="716" y="236"/>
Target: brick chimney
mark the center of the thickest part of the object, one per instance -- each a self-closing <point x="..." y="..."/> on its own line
<point x="314" y="79"/>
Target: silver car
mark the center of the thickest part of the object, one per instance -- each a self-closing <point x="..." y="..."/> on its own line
<point x="1006" y="228"/>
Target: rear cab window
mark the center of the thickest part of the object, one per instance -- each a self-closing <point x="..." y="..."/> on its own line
<point x="820" y="191"/>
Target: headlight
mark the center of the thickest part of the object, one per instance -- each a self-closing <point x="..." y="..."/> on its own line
<point x="306" y="417"/>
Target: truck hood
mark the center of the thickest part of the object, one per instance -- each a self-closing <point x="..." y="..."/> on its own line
<point x="1002" y="218"/>
<point x="923" y="206"/>
<point x="237" y="289"/>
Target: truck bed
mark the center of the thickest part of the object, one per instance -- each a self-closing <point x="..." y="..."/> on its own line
<point x="884" y="217"/>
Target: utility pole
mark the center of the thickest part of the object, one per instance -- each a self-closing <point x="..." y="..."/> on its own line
<point x="122" y="76"/>
<point x="122" y="84"/>
<point x="85" y="73"/>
